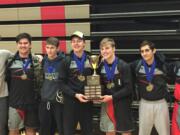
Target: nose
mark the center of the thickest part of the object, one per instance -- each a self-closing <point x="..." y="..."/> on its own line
<point x="143" y="53"/>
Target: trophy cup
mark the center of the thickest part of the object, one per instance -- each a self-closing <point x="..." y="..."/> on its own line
<point x="93" y="87"/>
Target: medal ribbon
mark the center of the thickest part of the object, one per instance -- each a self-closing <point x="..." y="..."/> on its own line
<point x="26" y="64"/>
<point x="149" y="73"/>
<point x="110" y="71"/>
<point x="80" y="63"/>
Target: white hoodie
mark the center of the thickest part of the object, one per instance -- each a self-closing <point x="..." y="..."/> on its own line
<point x="4" y="55"/>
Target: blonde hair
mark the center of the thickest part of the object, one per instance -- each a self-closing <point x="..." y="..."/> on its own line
<point x="106" y="41"/>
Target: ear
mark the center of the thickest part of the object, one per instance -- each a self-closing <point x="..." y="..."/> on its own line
<point x="84" y="45"/>
<point x="114" y="49"/>
<point x="154" y="50"/>
<point x="30" y="46"/>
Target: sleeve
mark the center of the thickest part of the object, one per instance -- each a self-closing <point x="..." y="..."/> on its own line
<point x="5" y="54"/>
<point x="126" y="89"/>
<point x="133" y="68"/>
<point x="64" y="79"/>
<point x="38" y="73"/>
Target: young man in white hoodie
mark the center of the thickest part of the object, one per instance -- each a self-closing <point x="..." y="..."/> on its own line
<point x="4" y="55"/>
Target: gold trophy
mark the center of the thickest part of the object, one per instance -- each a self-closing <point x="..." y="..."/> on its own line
<point x="93" y="87"/>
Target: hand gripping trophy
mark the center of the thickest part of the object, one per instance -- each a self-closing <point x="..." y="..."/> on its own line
<point x="93" y="87"/>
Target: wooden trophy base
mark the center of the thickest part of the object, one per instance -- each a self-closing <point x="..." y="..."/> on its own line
<point x="93" y="92"/>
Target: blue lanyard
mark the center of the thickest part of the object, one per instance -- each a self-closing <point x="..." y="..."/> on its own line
<point x="110" y="72"/>
<point x="149" y="73"/>
<point x="26" y="63"/>
<point x="80" y="62"/>
<point x="51" y="66"/>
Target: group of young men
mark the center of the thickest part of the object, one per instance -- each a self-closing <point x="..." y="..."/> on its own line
<point x="48" y="93"/>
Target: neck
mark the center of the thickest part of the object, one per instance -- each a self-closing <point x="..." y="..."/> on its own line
<point x="24" y="55"/>
<point x="111" y="59"/>
<point x="150" y="62"/>
<point x="52" y="57"/>
<point x="79" y="54"/>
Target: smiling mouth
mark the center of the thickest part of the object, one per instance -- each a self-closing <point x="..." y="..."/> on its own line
<point x="105" y="54"/>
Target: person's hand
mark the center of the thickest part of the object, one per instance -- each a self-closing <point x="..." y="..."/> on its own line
<point x="40" y="57"/>
<point x="106" y="98"/>
<point x="81" y="98"/>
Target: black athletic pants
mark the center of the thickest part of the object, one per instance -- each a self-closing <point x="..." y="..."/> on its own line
<point x="75" y="112"/>
<point x="51" y="117"/>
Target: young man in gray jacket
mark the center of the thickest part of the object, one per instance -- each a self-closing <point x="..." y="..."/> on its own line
<point x="4" y="55"/>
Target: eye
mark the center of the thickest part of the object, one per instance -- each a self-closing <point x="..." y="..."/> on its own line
<point x="145" y="50"/>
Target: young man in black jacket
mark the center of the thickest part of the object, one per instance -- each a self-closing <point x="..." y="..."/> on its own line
<point x="117" y="93"/>
<point x="76" y="107"/>
<point x="150" y="75"/>
<point x="23" y="73"/>
<point x="51" y="106"/>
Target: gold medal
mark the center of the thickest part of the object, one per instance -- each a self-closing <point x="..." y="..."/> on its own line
<point x="81" y="78"/>
<point x="50" y="78"/>
<point x="150" y="87"/>
<point x="108" y="85"/>
<point x="23" y="76"/>
<point x="112" y="85"/>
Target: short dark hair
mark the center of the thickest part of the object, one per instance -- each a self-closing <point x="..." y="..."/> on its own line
<point x="149" y="43"/>
<point x="52" y="41"/>
<point x="23" y="35"/>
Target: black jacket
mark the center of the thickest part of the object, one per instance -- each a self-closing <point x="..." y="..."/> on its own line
<point x="178" y="73"/>
<point x="122" y="94"/>
<point x="159" y="80"/>
<point x="74" y="85"/>
<point x="23" y="92"/>
<point x="122" y="80"/>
